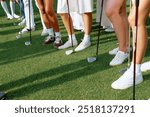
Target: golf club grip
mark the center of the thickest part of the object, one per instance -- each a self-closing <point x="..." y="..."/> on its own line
<point x="137" y="3"/>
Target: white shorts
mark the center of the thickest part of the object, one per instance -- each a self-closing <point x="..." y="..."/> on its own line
<point x="80" y="6"/>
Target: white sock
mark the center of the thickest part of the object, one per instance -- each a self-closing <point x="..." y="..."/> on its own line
<point x="4" y="6"/>
<point x="50" y="31"/>
<point x="72" y="36"/>
<point x="57" y="34"/>
<point x="12" y="8"/>
<point x="138" y="67"/>
<point x="86" y="38"/>
<point x="121" y="52"/>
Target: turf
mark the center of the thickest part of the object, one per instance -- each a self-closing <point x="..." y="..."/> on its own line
<point x="42" y="72"/>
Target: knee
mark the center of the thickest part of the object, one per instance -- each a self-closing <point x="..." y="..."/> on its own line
<point x="49" y="11"/>
<point x="42" y="10"/>
<point x="131" y="20"/>
<point x="110" y="12"/>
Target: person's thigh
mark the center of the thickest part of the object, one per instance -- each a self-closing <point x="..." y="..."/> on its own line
<point x="40" y="4"/>
<point x="144" y="9"/>
<point x="115" y="5"/>
<point x="48" y="5"/>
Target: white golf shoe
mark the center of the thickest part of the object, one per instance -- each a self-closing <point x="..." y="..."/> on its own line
<point x="16" y="16"/>
<point x="126" y="80"/>
<point x="145" y="66"/>
<point x="109" y="29"/>
<point x="68" y="44"/>
<point x="83" y="45"/>
<point x="9" y="16"/>
<point x="119" y="58"/>
<point x="114" y="51"/>
<point x="44" y="32"/>
<point x="22" y="23"/>
<point x="26" y="30"/>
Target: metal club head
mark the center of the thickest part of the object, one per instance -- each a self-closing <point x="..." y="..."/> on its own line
<point x="28" y="43"/>
<point x="68" y="52"/>
<point x="91" y="59"/>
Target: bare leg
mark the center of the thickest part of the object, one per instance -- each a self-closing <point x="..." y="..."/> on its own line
<point x="115" y="10"/>
<point x="65" y="18"/>
<point x="144" y="10"/>
<point x="87" y="17"/>
<point x="51" y="14"/>
<point x="44" y="15"/>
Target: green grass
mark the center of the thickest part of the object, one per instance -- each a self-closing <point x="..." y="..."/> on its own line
<point x="42" y="72"/>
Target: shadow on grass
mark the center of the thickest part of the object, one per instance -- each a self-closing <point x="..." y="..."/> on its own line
<point x="146" y="77"/>
<point x="69" y="72"/>
<point x="16" y="50"/>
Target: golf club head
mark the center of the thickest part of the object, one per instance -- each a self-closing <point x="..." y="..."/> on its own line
<point x="91" y="59"/>
<point x="28" y="43"/>
<point x="18" y="36"/>
<point x="68" y="52"/>
<point x="123" y="71"/>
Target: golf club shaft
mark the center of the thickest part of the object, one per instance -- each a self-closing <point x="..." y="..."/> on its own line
<point x="70" y="25"/>
<point x="30" y="21"/>
<point x="129" y="60"/>
<point x="101" y="12"/>
<point x="135" y="46"/>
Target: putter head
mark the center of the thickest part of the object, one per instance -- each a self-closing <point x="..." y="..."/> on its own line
<point x="28" y="43"/>
<point x="68" y="52"/>
<point x="91" y="59"/>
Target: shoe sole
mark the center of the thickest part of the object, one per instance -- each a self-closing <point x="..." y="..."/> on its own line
<point x="129" y="86"/>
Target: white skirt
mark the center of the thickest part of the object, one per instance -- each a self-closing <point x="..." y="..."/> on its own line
<point x="77" y="19"/>
<point x="80" y="6"/>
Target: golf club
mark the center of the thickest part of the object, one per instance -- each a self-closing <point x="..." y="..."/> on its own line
<point x="2" y="95"/>
<point x="68" y="52"/>
<point x="92" y="59"/>
<point x="135" y="45"/>
<point x="129" y="48"/>
<point x="28" y="43"/>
